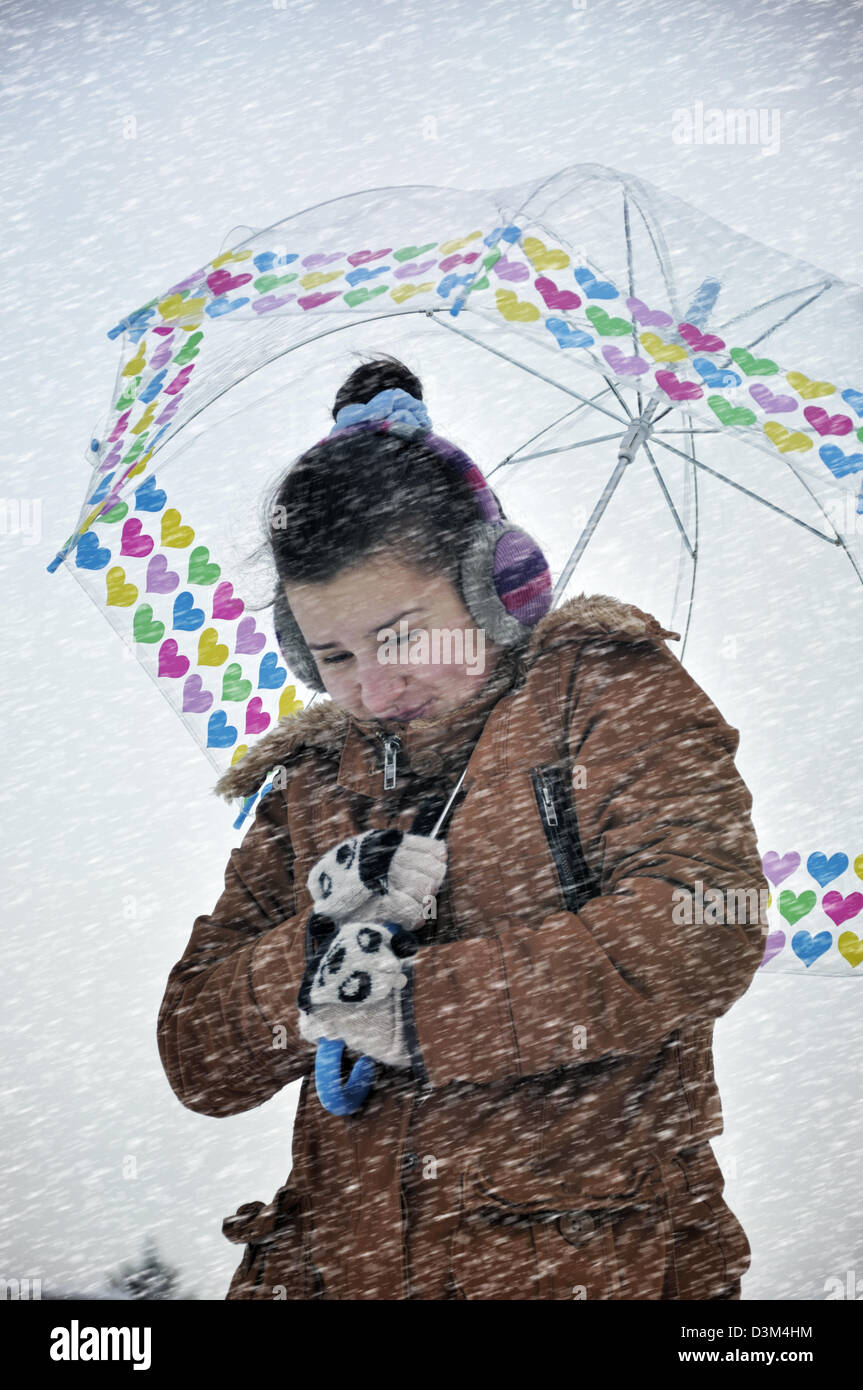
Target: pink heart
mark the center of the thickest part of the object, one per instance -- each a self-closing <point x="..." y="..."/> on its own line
<point x="511" y="270"/>
<point x="160" y="580"/>
<point x="555" y="298"/>
<point x="196" y="700"/>
<point x="777" y="869"/>
<point x="651" y="318"/>
<point x="222" y="281"/>
<point x="450" y="262"/>
<point x="180" y="380"/>
<point x="363" y="257"/>
<point x="318" y="258"/>
<point x="773" y="945"/>
<point x="698" y="341"/>
<point x="619" y="362"/>
<point x="841" y="909"/>
<point x="248" y="640"/>
<point x="132" y="541"/>
<point x="223" y="605"/>
<point x="828" y="424"/>
<point x="163" y="330"/>
<point x="256" y="720"/>
<point x="404" y="272"/>
<point x="270" y="301"/>
<point x="170" y="664"/>
<point x="314" y="301"/>
<point x="766" y="399"/>
<point x="676" y="389"/>
<point x="120" y="426"/>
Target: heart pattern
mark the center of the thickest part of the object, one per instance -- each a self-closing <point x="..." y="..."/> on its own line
<point x="815" y="943"/>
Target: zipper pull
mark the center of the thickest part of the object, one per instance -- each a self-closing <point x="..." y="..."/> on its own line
<point x="548" y="804"/>
<point x="391" y="753"/>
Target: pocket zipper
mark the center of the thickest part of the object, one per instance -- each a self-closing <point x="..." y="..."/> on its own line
<point x="575" y="878"/>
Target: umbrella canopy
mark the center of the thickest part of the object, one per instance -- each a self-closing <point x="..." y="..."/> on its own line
<point x="675" y="410"/>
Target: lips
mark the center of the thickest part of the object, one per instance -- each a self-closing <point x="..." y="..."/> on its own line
<point x="406" y="714"/>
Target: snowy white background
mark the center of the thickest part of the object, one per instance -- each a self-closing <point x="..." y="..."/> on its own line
<point x="135" y="137"/>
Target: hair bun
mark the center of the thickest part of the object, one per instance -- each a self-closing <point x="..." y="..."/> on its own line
<point x="380" y="373"/>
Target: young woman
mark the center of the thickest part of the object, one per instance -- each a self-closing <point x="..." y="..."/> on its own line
<point x="541" y="1020"/>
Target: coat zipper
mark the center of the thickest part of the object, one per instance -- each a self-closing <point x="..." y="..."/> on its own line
<point x="392" y="747"/>
<point x="575" y="877"/>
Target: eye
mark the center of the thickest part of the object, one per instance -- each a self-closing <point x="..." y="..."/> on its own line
<point x="414" y="632"/>
<point x="331" y="660"/>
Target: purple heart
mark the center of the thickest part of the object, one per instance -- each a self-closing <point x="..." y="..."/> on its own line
<point x="413" y="268"/>
<point x="619" y="362"/>
<point x="270" y="301"/>
<point x="766" y="399"/>
<point x="248" y="640"/>
<point x="111" y="459"/>
<point x="160" y="580"/>
<point x="841" y="909"/>
<point x="196" y="700"/>
<point x="318" y="258"/>
<point x="651" y="318"/>
<point x="511" y="270"/>
<point x="776" y="869"/>
<point x="773" y="945"/>
<point x="161" y="356"/>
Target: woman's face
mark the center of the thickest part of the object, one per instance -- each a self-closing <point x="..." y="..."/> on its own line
<point x="392" y="642"/>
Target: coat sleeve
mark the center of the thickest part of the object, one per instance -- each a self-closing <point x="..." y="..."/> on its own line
<point x="227" y="1026"/>
<point x="663" y="809"/>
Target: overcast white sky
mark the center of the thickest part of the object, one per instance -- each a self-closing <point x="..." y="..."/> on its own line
<point x="135" y="136"/>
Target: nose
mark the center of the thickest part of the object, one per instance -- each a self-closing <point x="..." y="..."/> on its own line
<point x="382" y="687"/>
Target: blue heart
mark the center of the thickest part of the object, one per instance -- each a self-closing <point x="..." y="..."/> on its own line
<point x="271" y="675"/>
<point x="854" y="398"/>
<point x="838" y="462"/>
<point x="354" y="277"/>
<point x="809" y="948"/>
<point x="265" y="260"/>
<point x="449" y="282"/>
<point x="186" y="617"/>
<point x="132" y="323"/>
<point x="509" y="234"/>
<point x="566" y="335"/>
<point x="153" y="387"/>
<point x="824" y="870"/>
<point x="712" y="375"/>
<point x="101" y="491"/>
<point x="149" y="498"/>
<point x="593" y="288"/>
<point x="223" y="305"/>
<point x="88" y="555"/>
<point x="220" y="734"/>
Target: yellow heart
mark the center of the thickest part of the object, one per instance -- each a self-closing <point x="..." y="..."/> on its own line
<point x="135" y="364"/>
<point x="288" y="702"/>
<point x="809" y="389"/>
<point x="319" y="277"/>
<point x="139" y="466"/>
<point x="785" y="441"/>
<point x="229" y="257"/>
<point x="120" y="594"/>
<point x="446" y="248"/>
<point x="661" y="351"/>
<point x="145" y="421"/>
<point x="851" y="947"/>
<point x="173" y="532"/>
<point x="403" y="292"/>
<point x="541" y="257"/>
<point x="211" y="652"/>
<point x="239" y="753"/>
<point x="858" y="866"/>
<point x="176" y="307"/>
<point x="514" y="309"/>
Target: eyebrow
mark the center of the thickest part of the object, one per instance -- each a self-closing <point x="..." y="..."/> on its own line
<point x="322" y="646"/>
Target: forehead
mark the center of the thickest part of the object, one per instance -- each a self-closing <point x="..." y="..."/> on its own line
<point x="368" y="596"/>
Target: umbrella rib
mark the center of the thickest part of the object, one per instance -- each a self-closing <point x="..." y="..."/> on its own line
<point x="754" y="495"/>
<point x="777" y="299"/>
<point x="564" y="448"/>
<point x="667" y="495"/>
<point x="435" y="317"/>
<point x="567" y="414"/>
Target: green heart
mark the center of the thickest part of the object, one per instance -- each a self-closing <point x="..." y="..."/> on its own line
<point x="860" y="434"/>
<point x="200" y="571"/>
<point x="233" y="685"/>
<point x="479" y="284"/>
<point x="189" y="350"/>
<point x="793" y="907"/>
<point x="410" y="253"/>
<point x="116" y="513"/>
<point x="145" y="627"/>
<point x="730" y="414"/>
<point x="492" y="259"/>
<point x="265" y="283"/>
<point x="129" y="394"/>
<point x="136" y="449"/>
<point x="361" y="295"/>
<point x="753" y="366"/>
<point x="608" y="327"/>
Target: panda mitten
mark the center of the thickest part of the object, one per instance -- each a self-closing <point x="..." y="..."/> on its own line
<point x="381" y="875"/>
<point x="355" y="996"/>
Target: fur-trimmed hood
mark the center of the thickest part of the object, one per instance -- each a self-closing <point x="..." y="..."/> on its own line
<point x="325" y="723"/>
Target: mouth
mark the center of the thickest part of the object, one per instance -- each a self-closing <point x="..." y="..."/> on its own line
<point x="403" y="715"/>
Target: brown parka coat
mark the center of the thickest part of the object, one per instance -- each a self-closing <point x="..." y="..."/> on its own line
<point x="551" y="1141"/>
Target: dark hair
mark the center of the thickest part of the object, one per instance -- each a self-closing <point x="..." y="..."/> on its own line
<point x="373" y="492"/>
